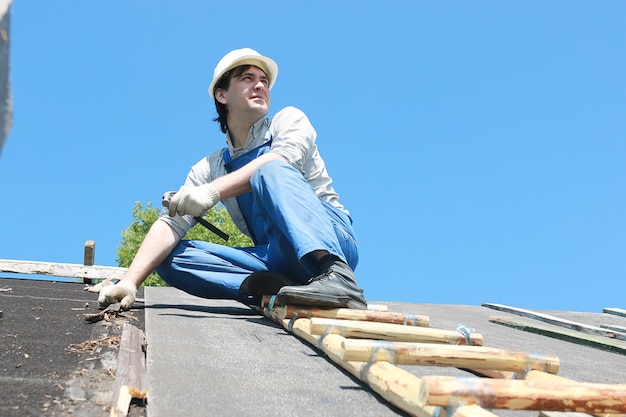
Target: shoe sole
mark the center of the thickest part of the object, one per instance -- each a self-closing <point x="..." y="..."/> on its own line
<point x="321" y="300"/>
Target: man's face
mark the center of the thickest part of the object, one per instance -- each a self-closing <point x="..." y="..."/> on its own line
<point x="248" y="94"/>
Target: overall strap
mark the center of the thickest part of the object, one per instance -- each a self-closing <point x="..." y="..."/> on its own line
<point x="246" y="204"/>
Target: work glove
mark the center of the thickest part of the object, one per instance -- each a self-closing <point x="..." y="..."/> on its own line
<point x="123" y="291"/>
<point x="193" y="200"/>
<point x="99" y="286"/>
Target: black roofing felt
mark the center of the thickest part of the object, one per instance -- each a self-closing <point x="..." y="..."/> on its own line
<point x="222" y="360"/>
<point x="213" y="357"/>
<point x="46" y="368"/>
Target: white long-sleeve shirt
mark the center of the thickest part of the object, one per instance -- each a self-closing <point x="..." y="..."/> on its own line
<point x="293" y="137"/>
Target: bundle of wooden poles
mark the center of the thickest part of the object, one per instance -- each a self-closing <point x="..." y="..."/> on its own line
<point x="372" y="344"/>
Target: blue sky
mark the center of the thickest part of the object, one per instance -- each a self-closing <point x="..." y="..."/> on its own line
<point x="480" y="146"/>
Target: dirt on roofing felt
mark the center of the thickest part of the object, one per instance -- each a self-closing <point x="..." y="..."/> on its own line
<point x="53" y="362"/>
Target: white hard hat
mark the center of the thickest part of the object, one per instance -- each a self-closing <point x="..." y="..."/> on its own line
<point x="244" y="56"/>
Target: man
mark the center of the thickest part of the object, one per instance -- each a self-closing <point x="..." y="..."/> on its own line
<point x="274" y="184"/>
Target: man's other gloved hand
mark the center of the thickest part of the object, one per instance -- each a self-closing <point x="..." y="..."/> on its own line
<point x="194" y="200"/>
<point x="124" y="292"/>
<point x="98" y="287"/>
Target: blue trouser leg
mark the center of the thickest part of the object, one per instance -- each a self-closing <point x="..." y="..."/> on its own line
<point x="209" y="270"/>
<point x="298" y="222"/>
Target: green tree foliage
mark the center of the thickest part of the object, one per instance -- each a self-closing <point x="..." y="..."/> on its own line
<point x="143" y="218"/>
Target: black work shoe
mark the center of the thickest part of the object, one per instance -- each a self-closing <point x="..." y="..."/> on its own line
<point x="336" y="287"/>
<point x="262" y="283"/>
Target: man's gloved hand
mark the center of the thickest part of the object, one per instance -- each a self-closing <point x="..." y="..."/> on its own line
<point x="98" y="287"/>
<point x="194" y="200"/>
<point x="123" y="291"/>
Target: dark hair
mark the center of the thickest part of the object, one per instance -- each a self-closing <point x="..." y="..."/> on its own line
<point x="224" y="84"/>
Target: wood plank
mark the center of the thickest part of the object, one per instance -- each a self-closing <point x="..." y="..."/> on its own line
<point x="130" y="377"/>
<point x="393" y="332"/>
<point x="431" y="354"/>
<point x="61" y="269"/>
<point x="621" y="329"/>
<point x="593" y="330"/>
<point x="526" y="395"/>
<point x="598" y="342"/>
<point x="615" y="311"/>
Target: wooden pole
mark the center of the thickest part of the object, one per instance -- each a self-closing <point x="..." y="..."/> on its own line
<point x="89" y="253"/>
<point x="542" y="376"/>
<point x="89" y="257"/>
<point x="526" y="395"/>
<point x="535" y="375"/>
<point x="289" y="312"/>
<point x="395" y="385"/>
<point x="473" y="357"/>
<point x="393" y="332"/>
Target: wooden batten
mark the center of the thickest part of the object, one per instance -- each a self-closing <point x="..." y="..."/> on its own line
<point x="61" y="270"/>
<point x="615" y="328"/>
<point x="574" y="336"/>
<point x="615" y="311"/>
<point x="556" y="321"/>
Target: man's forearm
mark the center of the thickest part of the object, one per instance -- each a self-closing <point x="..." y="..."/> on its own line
<point x="238" y="182"/>
<point x="157" y="244"/>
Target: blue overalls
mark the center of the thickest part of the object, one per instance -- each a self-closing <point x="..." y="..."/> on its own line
<point x="286" y="221"/>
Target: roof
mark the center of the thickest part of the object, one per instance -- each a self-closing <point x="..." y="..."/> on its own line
<point x="217" y="357"/>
